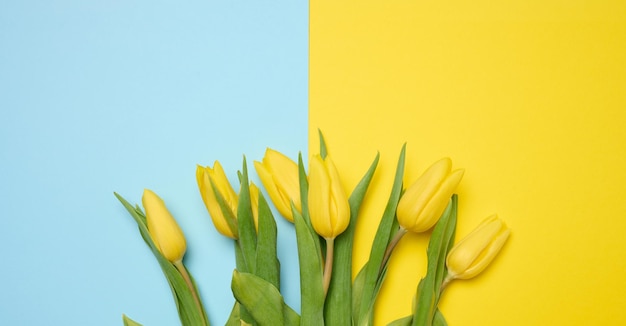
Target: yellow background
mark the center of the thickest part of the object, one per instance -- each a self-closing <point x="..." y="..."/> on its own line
<point x="530" y="98"/>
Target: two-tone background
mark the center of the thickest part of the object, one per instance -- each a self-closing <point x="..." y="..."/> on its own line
<point x="100" y="96"/>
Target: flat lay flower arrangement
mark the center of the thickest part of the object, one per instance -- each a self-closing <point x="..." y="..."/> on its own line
<point x="324" y="218"/>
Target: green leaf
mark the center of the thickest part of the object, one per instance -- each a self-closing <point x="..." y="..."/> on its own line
<point x="225" y="208"/>
<point x="242" y="313"/>
<point x="338" y="306"/>
<point x="267" y="263"/>
<point x="129" y="322"/>
<point x="234" y="318"/>
<point x="357" y="289"/>
<point x="323" y="149"/>
<point x="311" y="274"/>
<point x="405" y="321"/>
<point x="261" y="299"/>
<point x="438" y="320"/>
<point x="428" y="290"/>
<point x="247" y="233"/>
<point x="189" y="313"/>
<point x="291" y="317"/>
<point x="304" y="192"/>
<point x="374" y="267"/>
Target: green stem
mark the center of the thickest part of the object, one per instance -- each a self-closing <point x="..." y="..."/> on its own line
<point x="185" y="274"/>
<point x="445" y="282"/>
<point x="401" y="232"/>
<point x="328" y="266"/>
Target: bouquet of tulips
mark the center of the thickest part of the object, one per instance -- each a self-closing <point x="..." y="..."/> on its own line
<point x="324" y="218"/>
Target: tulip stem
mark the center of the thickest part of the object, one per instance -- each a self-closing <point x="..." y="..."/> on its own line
<point x="185" y="274"/>
<point x="328" y="265"/>
<point x="399" y="234"/>
<point x="445" y="282"/>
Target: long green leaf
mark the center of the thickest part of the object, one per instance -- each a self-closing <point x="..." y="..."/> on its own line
<point x="357" y="289"/>
<point x="405" y="321"/>
<point x="428" y="290"/>
<point x="311" y="274"/>
<point x="247" y="233"/>
<point x="438" y="320"/>
<point x="291" y="317"/>
<point x="247" y="241"/>
<point x="323" y="148"/>
<point x="129" y="322"/>
<point x="267" y="263"/>
<point x="304" y="192"/>
<point x="234" y="319"/>
<point x="338" y="306"/>
<point x="372" y="283"/>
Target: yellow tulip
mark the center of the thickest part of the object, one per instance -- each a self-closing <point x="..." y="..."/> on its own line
<point x="211" y="182"/>
<point x="280" y="177"/>
<point x="164" y="231"/>
<point x="472" y="254"/>
<point x="328" y="204"/>
<point x="254" y="203"/>
<point x="425" y="200"/>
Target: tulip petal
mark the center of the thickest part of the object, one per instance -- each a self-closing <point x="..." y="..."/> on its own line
<point x="438" y="202"/>
<point x="319" y="197"/>
<point x="163" y="229"/>
<point x="215" y="188"/>
<point x="488" y="256"/>
<point x="285" y="173"/>
<point x="474" y="252"/>
<point x="272" y="190"/>
<point x="280" y="177"/>
<point x="417" y="195"/>
<point x="340" y="213"/>
<point x="424" y="201"/>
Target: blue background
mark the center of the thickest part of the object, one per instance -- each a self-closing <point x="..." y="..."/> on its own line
<point x="103" y="96"/>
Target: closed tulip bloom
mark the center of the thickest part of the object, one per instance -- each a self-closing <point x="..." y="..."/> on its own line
<point x="164" y="231"/>
<point x="213" y="181"/>
<point x="425" y="200"/>
<point x="472" y="254"/>
<point x="280" y="178"/>
<point x="328" y="204"/>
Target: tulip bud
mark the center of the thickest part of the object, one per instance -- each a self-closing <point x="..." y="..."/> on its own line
<point x="163" y="229"/>
<point x="212" y="182"/>
<point x="328" y="204"/>
<point x="425" y="200"/>
<point x="280" y="177"/>
<point x="472" y="254"/>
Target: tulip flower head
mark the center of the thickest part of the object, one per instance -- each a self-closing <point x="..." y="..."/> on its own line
<point x="280" y="178"/>
<point x="425" y="200"/>
<point x="212" y="183"/>
<point x="164" y="231"/>
<point x="473" y="254"/>
<point x="328" y="204"/>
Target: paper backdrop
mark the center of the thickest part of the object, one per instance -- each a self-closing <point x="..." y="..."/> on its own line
<point x="530" y="98"/>
<point x="103" y="96"/>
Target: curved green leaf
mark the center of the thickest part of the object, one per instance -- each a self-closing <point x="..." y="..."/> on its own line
<point x="429" y="288"/>
<point x="129" y="322"/>
<point x="311" y="274"/>
<point x="260" y="298"/>
<point x="374" y="271"/>
<point x="267" y="263"/>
